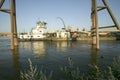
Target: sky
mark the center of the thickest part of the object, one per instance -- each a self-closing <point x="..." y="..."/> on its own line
<point x="75" y="13"/>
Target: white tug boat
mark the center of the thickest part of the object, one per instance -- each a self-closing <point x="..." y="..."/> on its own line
<point x="37" y="33"/>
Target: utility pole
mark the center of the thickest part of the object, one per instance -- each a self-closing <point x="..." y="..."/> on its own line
<point x="12" y="12"/>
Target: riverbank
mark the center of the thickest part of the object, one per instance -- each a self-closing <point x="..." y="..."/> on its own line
<point x="69" y="39"/>
<point x="5" y="35"/>
<point x="8" y="35"/>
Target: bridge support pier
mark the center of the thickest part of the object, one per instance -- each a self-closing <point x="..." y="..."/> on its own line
<point x="94" y="18"/>
<point x="12" y="12"/>
<point x="94" y="30"/>
<point x="14" y="41"/>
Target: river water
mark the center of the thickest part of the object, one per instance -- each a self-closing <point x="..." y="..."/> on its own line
<point x="52" y="55"/>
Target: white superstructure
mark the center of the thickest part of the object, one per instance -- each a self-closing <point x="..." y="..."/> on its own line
<point x="37" y="33"/>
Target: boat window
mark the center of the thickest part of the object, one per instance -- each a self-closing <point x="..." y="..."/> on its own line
<point x="44" y="34"/>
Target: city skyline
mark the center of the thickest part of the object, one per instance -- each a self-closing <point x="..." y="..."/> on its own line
<point x="74" y="13"/>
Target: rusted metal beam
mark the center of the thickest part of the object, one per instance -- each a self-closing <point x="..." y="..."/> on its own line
<point x="5" y="10"/>
<point x="14" y="41"/>
<point x="101" y="8"/>
<point x="111" y="14"/>
<point x="15" y="25"/>
<point x="96" y="25"/>
<point x="109" y="31"/>
<point x="12" y="12"/>
<point x="94" y="17"/>
<point x="93" y="23"/>
<point x="12" y="24"/>
<point x="1" y="3"/>
<point x="107" y="27"/>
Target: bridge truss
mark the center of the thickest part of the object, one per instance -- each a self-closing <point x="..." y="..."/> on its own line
<point x="12" y="12"/>
<point x="94" y="17"/>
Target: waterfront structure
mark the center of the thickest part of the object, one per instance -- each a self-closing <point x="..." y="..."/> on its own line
<point x="63" y="34"/>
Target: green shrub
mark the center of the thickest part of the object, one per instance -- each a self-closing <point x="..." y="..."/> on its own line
<point x="71" y="73"/>
<point x="116" y="67"/>
<point x="34" y="74"/>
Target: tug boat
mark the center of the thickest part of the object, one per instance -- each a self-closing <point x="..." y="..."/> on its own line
<point x="38" y="33"/>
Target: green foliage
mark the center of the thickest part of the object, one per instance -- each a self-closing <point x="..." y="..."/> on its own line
<point x="116" y="67"/>
<point x="71" y="73"/>
<point x="95" y="73"/>
<point x="108" y="75"/>
<point x="34" y="74"/>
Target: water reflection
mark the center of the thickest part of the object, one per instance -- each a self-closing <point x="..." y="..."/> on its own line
<point x="75" y="44"/>
<point x="26" y="45"/>
<point x="41" y="48"/>
<point x="16" y="63"/>
<point x="94" y="55"/>
<point x="63" y="45"/>
<point x="38" y="48"/>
